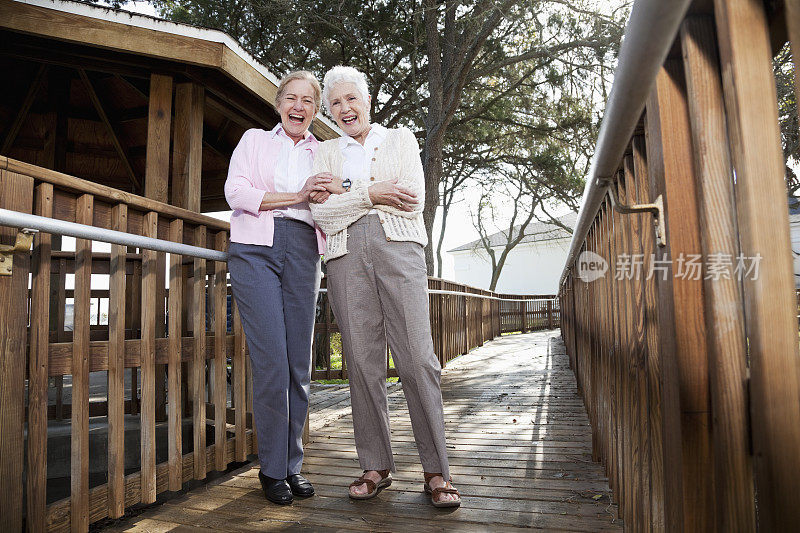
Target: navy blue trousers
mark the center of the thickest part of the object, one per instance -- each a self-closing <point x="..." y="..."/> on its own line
<point x="276" y="291"/>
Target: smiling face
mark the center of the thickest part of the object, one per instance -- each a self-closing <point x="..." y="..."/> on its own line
<point x="297" y="109"/>
<point x="350" y="110"/>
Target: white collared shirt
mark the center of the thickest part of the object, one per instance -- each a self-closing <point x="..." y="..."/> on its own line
<point x="357" y="158"/>
<point x="291" y="172"/>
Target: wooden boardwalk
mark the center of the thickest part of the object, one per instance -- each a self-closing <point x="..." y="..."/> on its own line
<point x="520" y="451"/>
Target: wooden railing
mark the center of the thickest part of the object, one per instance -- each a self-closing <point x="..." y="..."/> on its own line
<point x="459" y="323"/>
<point x="691" y="372"/>
<point x="178" y="366"/>
<point x="168" y="364"/>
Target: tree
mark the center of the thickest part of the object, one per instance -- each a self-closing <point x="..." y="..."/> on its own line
<point x="784" y="71"/>
<point x="420" y="56"/>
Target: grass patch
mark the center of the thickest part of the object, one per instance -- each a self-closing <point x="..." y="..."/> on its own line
<point x="344" y="381"/>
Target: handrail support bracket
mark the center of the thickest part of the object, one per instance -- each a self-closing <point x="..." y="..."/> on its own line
<point x="656" y="208"/>
<point x="22" y="244"/>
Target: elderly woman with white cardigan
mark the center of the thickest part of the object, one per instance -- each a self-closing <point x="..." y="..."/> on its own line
<point x="377" y="283"/>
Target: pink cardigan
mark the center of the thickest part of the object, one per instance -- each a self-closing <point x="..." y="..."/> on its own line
<point x="250" y="175"/>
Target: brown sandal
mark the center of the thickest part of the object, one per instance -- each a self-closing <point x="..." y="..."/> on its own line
<point x="441" y="490"/>
<point x="372" y="487"/>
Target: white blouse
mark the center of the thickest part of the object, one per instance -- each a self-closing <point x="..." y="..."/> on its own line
<point x="292" y="171"/>
<point x="357" y="158"/>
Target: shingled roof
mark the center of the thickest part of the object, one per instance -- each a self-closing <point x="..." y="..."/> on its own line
<point x="535" y="232"/>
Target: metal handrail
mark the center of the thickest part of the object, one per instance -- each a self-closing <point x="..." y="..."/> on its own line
<point x="649" y="36"/>
<point x="19" y="220"/>
<point x="473" y="295"/>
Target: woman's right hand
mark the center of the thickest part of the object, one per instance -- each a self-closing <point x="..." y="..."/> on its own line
<point x="394" y="195"/>
<point x="316" y="182"/>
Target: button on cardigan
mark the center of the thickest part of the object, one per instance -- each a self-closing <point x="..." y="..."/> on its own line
<point x="398" y="157"/>
<point x="250" y="175"/>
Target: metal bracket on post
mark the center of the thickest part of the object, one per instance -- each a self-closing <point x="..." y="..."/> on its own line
<point x="657" y="208"/>
<point x="22" y="244"/>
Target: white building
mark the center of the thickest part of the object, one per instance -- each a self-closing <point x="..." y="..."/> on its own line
<point x="532" y="267"/>
<point x="794" y="229"/>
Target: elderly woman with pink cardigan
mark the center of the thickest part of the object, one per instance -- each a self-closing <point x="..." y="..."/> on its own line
<point x="274" y="264"/>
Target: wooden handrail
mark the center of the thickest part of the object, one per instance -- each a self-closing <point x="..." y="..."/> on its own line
<point x="686" y="354"/>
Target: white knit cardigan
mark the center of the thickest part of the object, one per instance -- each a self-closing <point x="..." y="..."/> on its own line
<point x="396" y="157"/>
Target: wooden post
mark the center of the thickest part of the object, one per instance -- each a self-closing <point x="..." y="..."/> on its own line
<point x="174" y="374"/>
<point x="16" y="192"/>
<point x="689" y="492"/>
<point x="652" y="397"/>
<point x="771" y="322"/>
<point x="116" y="368"/>
<point x="187" y="151"/>
<point x="37" y="368"/>
<point x="79" y="471"/>
<point x="239" y="386"/>
<point x="199" y="360"/>
<point x="148" y="366"/>
<point x="159" y="121"/>
<point x="724" y="311"/>
<point x="220" y="354"/>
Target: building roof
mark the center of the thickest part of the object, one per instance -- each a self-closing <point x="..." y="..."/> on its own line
<point x="124" y="31"/>
<point x="535" y="232"/>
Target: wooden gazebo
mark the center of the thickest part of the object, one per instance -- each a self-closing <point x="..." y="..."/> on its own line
<point x="124" y="122"/>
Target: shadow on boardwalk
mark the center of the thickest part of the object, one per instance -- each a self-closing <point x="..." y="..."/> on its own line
<point x="520" y="452"/>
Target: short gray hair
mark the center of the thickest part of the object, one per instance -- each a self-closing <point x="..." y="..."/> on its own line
<point x="299" y="75"/>
<point x="342" y="74"/>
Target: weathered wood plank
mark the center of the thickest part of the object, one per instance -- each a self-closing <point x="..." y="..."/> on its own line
<point x="239" y="387"/>
<point x="724" y="310"/>
<point x="199" y="363"/>
<point x="37" y="368"/>
<point x="174" y="429"/>
<point x="187" y="149"/>
<point x="511" y="480"/>
<point x="16" y="192"/>
<point x="220" y="355"/>
<point x="147" y="347"/>
<point x="762" y="212"/>
<point x="116" y="369"/>
<point x="79" y="464"/>
<point x="159" y="121"/>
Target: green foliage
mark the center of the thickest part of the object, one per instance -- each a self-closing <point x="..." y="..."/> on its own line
<point x="784" y="70"/>
<point x="481" y="83"/>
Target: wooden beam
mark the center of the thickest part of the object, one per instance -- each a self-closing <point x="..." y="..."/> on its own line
<point x="187" y="151"/>
<point x="16" y="192"/>
<point x="724" y="310"/>
<point x="22" y="112"/>
<point x="763" y="216"/>
<point x="175" y="416"/>
<point x="111" y="132"/>
<point x="116" y="368"/>
<point x="79" y="417"/>
<point x="159" y="122"/>
<point x="198" y="365"/>
<point x="37" y="369"/>
<point x="148" y="355"/>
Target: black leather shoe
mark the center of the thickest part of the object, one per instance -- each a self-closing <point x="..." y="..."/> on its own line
<point x="301" y="487"/>
<point x="276" y="490"/>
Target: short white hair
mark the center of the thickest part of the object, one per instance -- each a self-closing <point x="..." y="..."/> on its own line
<point x="342" y="74"/>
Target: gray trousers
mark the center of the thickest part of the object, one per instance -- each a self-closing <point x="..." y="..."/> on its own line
<point x="378" y="291"/>
<point x="276" y="291"/>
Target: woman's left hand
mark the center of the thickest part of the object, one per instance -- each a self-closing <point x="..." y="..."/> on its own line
<point x="335" y="186"/>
